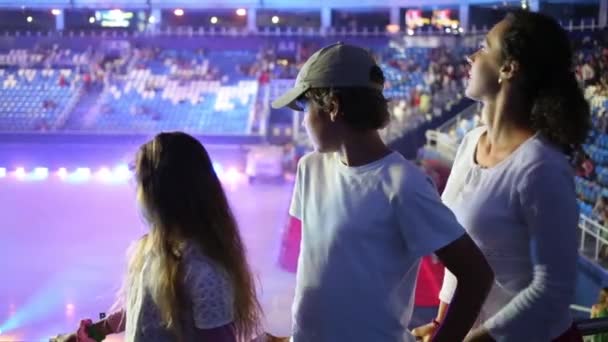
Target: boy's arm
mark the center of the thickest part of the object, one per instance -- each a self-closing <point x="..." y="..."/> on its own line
<point x="464" y="259"/>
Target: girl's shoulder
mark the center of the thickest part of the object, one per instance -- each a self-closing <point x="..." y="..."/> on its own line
<point x="199" y="267"/>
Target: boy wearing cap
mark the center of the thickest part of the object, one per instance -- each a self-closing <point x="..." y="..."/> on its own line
<point x="367" y="214"/>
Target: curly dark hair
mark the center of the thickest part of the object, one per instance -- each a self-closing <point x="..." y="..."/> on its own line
<point x="543" y="50"/>
<point x="362" y="108"/>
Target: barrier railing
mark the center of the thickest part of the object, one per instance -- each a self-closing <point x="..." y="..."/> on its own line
<point x="593" y="235"/>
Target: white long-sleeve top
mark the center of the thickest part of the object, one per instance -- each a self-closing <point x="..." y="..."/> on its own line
<point x="523" y="214"/>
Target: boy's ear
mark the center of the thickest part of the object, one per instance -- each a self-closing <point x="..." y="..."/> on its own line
<point x="334" y="109"/>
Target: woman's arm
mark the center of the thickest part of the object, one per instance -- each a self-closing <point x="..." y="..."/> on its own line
<point x="549" y="208"/>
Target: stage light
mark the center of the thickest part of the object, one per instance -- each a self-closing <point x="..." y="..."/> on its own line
<point x="91" y="20"/>
<point x="62" y="172"/>
<point x="275" y="19"/>
<point x="151" y="19"/>
<point x="29" y="19"/>
<point x="410" y="32"/>
<point x="232" y="175"/>
<point x="241" y="12"/>
<point x="178" y="12"/>
<point x="20" y="173"/>
<point x="460" y="29"/>
<point x="121" y="172"/>
<point x="81" y="174"/>
<point x="448" y="30"/>
<point x="40" y="173"/>
<point x="104" y="173"/>
<point x="2" y="172"/>
<point x="213" y="20"/>
<point x="56" y="11"/>
<point x="392" y="28"/>
<point x="217" y="167"/>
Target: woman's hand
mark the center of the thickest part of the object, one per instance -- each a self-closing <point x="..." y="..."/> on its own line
<point x="425" y="332"/>
<point x="479" y="335"/>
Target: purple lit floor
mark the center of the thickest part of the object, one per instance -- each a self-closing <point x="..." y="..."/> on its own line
<point x="62" y="251"/>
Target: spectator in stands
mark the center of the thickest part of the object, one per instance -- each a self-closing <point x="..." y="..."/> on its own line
<point x="364" y="208"/>
<point x="600" y="310"/>
<point x="512" y="186"/>
<point x="584" y="165"/>
<point x="188" y="279"/>
<point x="600" y="210"/>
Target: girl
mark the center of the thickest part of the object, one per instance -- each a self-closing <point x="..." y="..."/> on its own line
<point x="511" y="185"/>
<point x="188" y="279"/>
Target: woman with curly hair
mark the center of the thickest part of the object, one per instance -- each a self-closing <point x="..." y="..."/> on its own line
<point x="511" y="185"/>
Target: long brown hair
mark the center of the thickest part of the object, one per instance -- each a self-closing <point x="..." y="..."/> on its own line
<point x="183" y="200"/>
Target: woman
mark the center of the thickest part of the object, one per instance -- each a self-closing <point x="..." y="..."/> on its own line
<point x="512" y="186"/>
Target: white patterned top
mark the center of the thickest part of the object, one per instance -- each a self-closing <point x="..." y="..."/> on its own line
<point x="209" y="299"/>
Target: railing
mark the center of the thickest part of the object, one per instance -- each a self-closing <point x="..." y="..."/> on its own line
<point x="591" y="229"/>
<point x="593" y="326"/>
<point x="188" y="31"/>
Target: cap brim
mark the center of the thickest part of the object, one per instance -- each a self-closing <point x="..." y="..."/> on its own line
<point x="289" y="98"/>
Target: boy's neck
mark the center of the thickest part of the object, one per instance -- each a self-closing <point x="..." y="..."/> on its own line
<point x="361" y="148"/>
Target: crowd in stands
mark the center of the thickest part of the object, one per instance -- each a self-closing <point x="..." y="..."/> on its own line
<point x="420" y="84"/>
<point x="145" y="88"/>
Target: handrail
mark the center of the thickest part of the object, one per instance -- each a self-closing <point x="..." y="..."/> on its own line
<point x="590" y="227"/>
<point x="593" y="326"/>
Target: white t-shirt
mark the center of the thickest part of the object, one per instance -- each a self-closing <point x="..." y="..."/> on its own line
<point x="522" y="213"/>
<point x="364" y="230"/>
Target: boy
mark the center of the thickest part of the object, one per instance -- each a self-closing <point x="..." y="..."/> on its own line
<point x="367" y="214"/>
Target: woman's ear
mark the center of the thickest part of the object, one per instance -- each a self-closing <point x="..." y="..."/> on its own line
<point x="509" y="70"/>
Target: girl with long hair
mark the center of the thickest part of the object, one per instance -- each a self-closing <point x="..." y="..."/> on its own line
<point x="188" y="278"/>
<point x="512" y="186"/>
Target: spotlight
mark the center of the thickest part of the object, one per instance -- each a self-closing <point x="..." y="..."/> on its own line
<point x="2" y="175"/>
<point x="410" y="32"/>
<point x="213" y="20"/>
<point x="275" y="19"/>
<point x="121" y="172"/>
<point x="20" y="173"/>
<point x="217" y="167"/>
<point x="62" y="173"/>
<point x="178" y="12"/>
<point x="91" y="20"/>
<point x="151" y="19"/>
<point x="56" y="11"/>
<point x="29" y="19"/>
<point x="104" y="173"/>
<point x="81" y="174"/>
<point x="241" y="12"/>
<point x="448" y="30"/>
<point x="41" y="173"/>
<point x="461" y="30"/>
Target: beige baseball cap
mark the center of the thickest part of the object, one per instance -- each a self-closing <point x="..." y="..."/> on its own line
<point x="336" y="65"/>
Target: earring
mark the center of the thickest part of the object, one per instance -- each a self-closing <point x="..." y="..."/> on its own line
<point x="499" y="80"/>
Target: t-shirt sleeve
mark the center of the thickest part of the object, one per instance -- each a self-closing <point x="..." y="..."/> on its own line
<point x="209" y="291"/>
<point x="295" y="209"/>
<point x="425" y="222"/>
